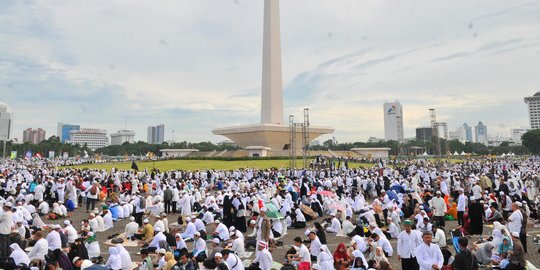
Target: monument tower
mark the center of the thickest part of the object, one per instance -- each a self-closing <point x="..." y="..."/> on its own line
<point x="271" y="134"/>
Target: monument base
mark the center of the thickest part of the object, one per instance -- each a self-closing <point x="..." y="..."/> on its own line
<point x="273" y="136"/>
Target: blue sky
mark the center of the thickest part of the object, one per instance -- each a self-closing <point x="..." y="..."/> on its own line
<point x="196" y="65"/>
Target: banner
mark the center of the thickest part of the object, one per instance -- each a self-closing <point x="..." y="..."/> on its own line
<point x="28" y="155"/>
<point x="13" y="155"/>
<point x="38" y="155"/>
<point x="65" y="155"/>
<point x="51" y="154"/>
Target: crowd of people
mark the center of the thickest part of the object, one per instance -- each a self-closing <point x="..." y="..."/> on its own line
<point x="237" y="219"/>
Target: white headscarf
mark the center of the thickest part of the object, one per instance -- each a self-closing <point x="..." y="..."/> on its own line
<point x="124" y="256"/>
<point x="18" y="255"/>
<point x="180" y="244"/>
<point x="37" y="221"/>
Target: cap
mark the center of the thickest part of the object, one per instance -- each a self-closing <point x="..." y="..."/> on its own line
<point x="501" y="192"/>
<point x="8" y="204"/>
<point x="157" y="229"/>
<point x="263" y="209"/>
<point x="519" y="204"/>
<point x="216" y="221"/>
<point x="197" y="234"/>
<point x="218" y="255"/>
<point x="515" y="234"/>
<point x="216" y="241"/>
<point x="253" y="222"/>
<point x="145" y="220"/>
<point x="407" y="222"/>
<point x="90" y="233"/>
<point x="426" y="232"/>
<point x="188" y="219"/>
<point x="76" y="259"/>
<point x="162" y="251"/>
<point x="67" y="222"/>
<point x="333" y="214"/>
<point x="232" y="228"/>
<point x="438" y="192"/>
<point x="131" y="219"/>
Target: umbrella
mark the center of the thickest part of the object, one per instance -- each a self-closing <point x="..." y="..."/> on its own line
<point x="392" y="195"/>
<point x="272" y="211"/>
<point x="327" y="193"/>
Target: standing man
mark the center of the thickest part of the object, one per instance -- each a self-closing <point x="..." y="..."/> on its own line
<point x="167" y="199"/>
<point x="464" y="260"/>
<point x="517" y="255"/>
<point x="438" y="205"/>
<point x="408" y="241"/>
<point x="6" y="221"/>
<point x="428" y="255"/>
<point x="461" y="205"/>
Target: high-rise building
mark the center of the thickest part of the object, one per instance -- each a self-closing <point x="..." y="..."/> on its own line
<point x="466" y="133"/>
<point x="64" y="130"/>
<point x="534" y="110"/>
<point x="34" y="136"/>
<point x="93" y="138"/>
<point x="480" y="133"/>
<point x="122" y="136"/>
<point x="156" y="134"/>
<point x="5" y="122"/>
<point x="516" y="133"/>
<point x="393" y="121"/>
<point x="424" y="133"/>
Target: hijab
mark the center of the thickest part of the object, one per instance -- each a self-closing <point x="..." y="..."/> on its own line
<point x="503" y="248"/>
<point x="341" y="255"/>
<point x="380" y="258"/>
<point x="484" y="253"/>
<point x="18" y="255"/>
<point x="37" y="221"/>
<point x="124" y="256"/>
<point x="180" y="244"/>
<point x="497" y="238"/>
<point x="170" y="262"/>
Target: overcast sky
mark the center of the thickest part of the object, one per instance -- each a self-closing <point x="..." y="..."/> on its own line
<point x="196" y="65"/>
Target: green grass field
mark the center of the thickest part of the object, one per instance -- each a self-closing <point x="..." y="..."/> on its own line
<point x="165" y="165"/>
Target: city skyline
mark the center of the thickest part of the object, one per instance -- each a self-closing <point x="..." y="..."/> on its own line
<point x="342" y="66"/>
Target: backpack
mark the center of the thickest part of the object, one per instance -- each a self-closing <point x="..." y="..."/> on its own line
<point x="142" y="202"/>
<point x="93" y="190"/>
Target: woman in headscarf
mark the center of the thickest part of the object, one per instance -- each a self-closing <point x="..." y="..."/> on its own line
<point x="497" y="239"/>
<point x="228" y="212"/>
<point x="379" y="255"/>
<point x="504" y="230"/>
<point x="483" y="254"/>
<point x="92" y="246"/>
<point x="325" y="259"/>
<point x="170" y="262"/>
<point x="37" y="222"/>
<point x="18" y="255"/>
<point x="504" y="247"/>
<point x="115" y="261"/>
<point x="453" y="211"/>
<point x="124" y="257"/>
<point x="57" y="210"/>
<point x="62" y="259"/>
<point x="341" y="258"/>
<point x="181" y="246"/>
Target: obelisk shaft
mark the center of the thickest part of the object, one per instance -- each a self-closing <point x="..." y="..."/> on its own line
<point x="272" y="89"/>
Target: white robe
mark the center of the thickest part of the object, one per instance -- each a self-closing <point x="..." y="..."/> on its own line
<point x="124" y="256"/>
<point x="18" y="255"/>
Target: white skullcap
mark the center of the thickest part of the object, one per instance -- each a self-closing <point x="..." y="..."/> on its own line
<point x="216" y="241"/>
